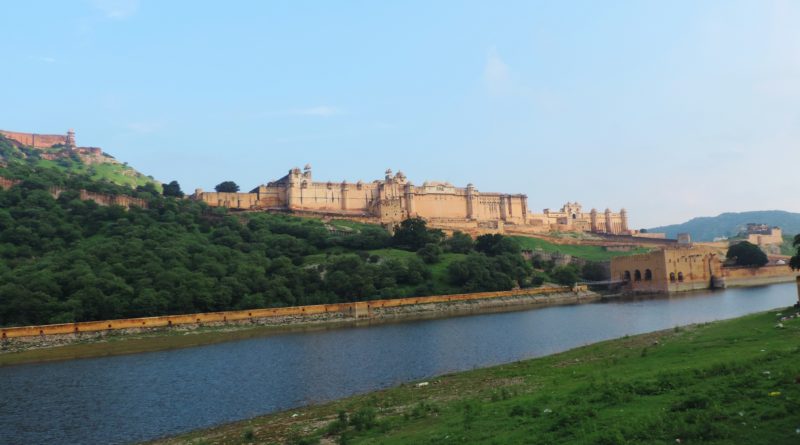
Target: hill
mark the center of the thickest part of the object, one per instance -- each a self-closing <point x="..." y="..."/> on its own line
<point x="17" y="159"/>
<point x="707" y="228"/>
<point x="66" y="259"/>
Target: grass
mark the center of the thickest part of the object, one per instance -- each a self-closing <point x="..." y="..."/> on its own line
<point x="729" y="382"/>
<point x="112" y="172"/>
<point x="590" y="253"/>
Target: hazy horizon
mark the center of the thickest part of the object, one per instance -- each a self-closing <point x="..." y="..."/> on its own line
<point x="672" y="111"/>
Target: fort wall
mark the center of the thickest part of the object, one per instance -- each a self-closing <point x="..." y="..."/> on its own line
<point x="36" y="140"/>
<point x="394" y="199"/>
<point x="361" y="309"/>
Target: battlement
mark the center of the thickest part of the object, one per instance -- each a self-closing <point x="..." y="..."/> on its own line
<point x="41" y="140"/>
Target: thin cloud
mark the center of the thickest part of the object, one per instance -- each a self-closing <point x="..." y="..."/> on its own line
<point x="497" y="74"/>
<point x="117" y="9"/>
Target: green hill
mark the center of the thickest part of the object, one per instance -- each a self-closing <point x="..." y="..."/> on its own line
<point x="17" y="159"/>
<point x="63" y="259"/>
<point x="707" y="228"/>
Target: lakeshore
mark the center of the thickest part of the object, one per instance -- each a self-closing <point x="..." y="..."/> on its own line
<point x="261" y="375"/>
<point x="189" y="331"/>
<point x="735" y="380"/>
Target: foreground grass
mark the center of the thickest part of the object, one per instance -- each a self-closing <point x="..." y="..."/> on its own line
<point x="730" y="382"/>
<point x="590" y="253"/>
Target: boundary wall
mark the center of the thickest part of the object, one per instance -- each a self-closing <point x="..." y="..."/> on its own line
<point x="356" y="310"/>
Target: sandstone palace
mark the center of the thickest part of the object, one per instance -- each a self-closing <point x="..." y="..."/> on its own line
<point x="395" y="198"/>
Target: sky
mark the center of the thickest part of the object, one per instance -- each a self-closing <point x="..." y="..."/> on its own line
<point x="669" y="109"/>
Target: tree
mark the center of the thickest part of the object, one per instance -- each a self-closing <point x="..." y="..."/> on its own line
<point x="413" y="234"/>
<point x="594" y="271"/>
<point x="173" y="189"/>
<point x="795" y="261"/>
<point x="227" y="187"/>
<point x="565" y="275"/>
<point x="747" y="254"/>
<point x="430" y="253"/>
<point x="459" y="243"/>
<point x="496" y="244"/>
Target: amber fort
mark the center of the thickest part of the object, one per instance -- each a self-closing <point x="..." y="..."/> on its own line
<point x="395" y="198"/>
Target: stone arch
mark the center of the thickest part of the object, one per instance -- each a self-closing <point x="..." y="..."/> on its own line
<point x="637" y="276"/>
<point x="574" y="216"/>
<point x="627" y="275"/>
<point x="648" y="275"/>
<point x="680" y="276"/>
<point x="672" y="277"/>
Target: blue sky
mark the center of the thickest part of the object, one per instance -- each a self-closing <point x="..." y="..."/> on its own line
<point x="670" y="109"/>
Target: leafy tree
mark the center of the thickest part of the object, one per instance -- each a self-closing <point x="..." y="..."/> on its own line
<point x="496" y="244"/>
<point x="173" y="189"/>
<point x="430" y="253"/>
<point x="227" y="187"/>
<point x="459" y="242"/>
<point x="795" y="261"/>
<point x="413" y="234"/>
<point x="565" y="275"/>
<point x="747" y="254"/>
<point x="594" y="271"/>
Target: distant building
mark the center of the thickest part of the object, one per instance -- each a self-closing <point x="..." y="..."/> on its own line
<point x="686" y="268"/>
<point x="395" y="198"/>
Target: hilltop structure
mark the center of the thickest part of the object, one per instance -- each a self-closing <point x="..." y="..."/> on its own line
<point x="395" y="198"/>
<point x="56" y="146"/>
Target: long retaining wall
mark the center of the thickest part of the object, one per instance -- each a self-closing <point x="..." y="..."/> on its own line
<point x="356" y="310"/>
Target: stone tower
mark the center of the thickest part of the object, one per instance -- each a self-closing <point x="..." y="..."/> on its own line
<point x="70" y="142"/>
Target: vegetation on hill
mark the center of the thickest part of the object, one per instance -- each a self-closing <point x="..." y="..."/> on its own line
<point x="65" y="260"/>
<point x="19" y="160"/>
<point x="731" y="224"/>
<point x="590" y="253"/>
<point x="721" y="383"/>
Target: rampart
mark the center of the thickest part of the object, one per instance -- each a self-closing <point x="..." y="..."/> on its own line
<point x="36" y="140"/>
<point x="356" y="310"/>
<point x="85" y="195"/>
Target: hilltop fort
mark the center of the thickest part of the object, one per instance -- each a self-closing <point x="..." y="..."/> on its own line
<point x="56" y="146"/>
<point x="395" y="198"/>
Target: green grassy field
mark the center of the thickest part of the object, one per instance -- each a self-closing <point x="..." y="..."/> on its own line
<point x="590" y="253"/>
<point x="112" y="172"/>
<point x="731" y="382"/>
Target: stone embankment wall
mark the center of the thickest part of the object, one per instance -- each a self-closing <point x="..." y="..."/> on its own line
<point x="321" y="312"/>
<point x="754" y="276"/>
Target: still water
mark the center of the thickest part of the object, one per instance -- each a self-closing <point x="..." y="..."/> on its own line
<point x="132" y="398"/>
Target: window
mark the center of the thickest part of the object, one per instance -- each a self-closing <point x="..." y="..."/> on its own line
<point x="672" y="277"/>
<point x="637" y="276"/>
<point x="648" y="275"/>
<point x="627" y="275"/>
<point x="680" y="276"/>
